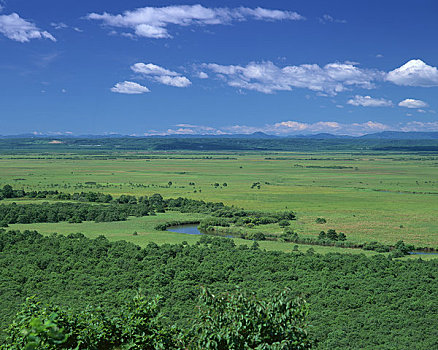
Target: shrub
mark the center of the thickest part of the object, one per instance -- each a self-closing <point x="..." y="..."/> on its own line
<point x="321" y="221"/>
<point x="283" y="223"/>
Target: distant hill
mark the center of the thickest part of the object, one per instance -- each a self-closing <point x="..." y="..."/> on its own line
<point x="255" y="135"/>
<point x="322" y="136"/>
<point x="400" y="135"/>
<point x="385" y="135"/>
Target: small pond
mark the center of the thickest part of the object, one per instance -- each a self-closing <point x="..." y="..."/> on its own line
<point x="189" y="229"/>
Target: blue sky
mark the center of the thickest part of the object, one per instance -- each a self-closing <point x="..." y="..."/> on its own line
<point x="213" y="67"/>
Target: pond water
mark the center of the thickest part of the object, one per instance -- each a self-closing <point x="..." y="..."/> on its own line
<point x="189" y="229"/>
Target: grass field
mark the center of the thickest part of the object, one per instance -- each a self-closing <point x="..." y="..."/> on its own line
<point x="144" y="226"/>
<point x="369" y="197"/>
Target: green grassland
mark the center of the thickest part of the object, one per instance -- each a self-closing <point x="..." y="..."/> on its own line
<point x="144" y="227"/>
<point x="368" y="196"/>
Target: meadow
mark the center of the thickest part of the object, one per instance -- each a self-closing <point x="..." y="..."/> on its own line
<point x="368" y="196"/>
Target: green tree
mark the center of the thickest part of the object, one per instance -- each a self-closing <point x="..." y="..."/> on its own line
<point x="7" y="191"/>
<point x="240" y="321"/>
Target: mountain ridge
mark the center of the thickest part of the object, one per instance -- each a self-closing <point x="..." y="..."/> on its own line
<point x="384" y="135"/>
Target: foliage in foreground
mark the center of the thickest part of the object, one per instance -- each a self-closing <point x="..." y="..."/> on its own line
<point x="225" y="322"/>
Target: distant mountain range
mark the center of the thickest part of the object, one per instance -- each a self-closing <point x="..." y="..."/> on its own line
<point x="385" y="135"/>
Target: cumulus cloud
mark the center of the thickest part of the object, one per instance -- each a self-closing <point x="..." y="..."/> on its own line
<point x="16" y="28"/>
<point x="130" y="88"/>
<point x="173" y="81"/>
<point x="153" y="22"/>
<point x="294" y="127"/>
<point x="412" y="103"/>
<point x="152" y="69"/>
<point x="368" y="101"/>
<point x="190" y="129"/>
<point x="266" y="77"/>
<point x="161" y="75"/>
<point x="414" y="73"/>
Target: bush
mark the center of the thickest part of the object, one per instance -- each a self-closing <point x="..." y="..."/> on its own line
<point x="257" y="236"/>
<point x="321" y="221"/>
<point x="283" y="223"/>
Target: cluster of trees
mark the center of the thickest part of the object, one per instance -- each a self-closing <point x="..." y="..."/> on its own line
<point x="332" y="235"/>
<point x="71" y="212"/>
<point x="356" y="302"/>
<point x="241" y="217"/>
<point x="334" y="239"/>
<point x="254" y="236"/>
<point x="235" y="321"/>
<point x="8" y="192"/>
<point x="156" y="203"/>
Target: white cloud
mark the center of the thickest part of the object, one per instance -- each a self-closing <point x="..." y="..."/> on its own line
<point x="266" y="77"/>
<point x="188" y="129"/>
<point x="368" y="101"/>
<point x="161" y="75"/>
<point x="130" y="88"/>
<point x="202" y="75"/>
<point x="411" y="103"/>
<point x="16" y="28"/>
<point x="414" y="73"/>
<point x="293" y="127"/>
<point x="173" y="81"/>
<point x="152" y="69"/>
<point x="152" y="22"/>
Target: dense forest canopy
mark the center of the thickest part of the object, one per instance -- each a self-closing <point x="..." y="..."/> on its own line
<point x="355" y="301"/>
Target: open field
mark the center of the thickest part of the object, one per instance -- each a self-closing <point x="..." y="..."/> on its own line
<point x="369" y="197"/>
